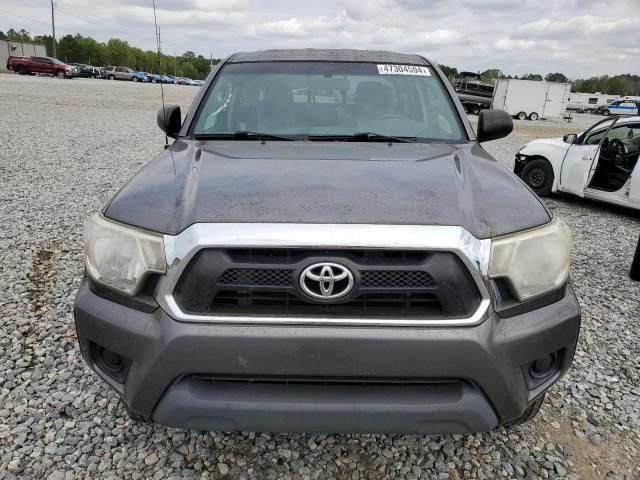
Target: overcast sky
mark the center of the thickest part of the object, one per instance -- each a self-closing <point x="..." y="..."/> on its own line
<point x="577" y="37"/>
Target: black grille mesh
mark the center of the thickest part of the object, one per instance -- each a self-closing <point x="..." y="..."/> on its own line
<point x="267" y="277"/>
<point x="255" y="277"/>
<point x="396" y="279"/>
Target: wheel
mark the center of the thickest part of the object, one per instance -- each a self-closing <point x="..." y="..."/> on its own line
<point x="111" y="77"/>
<point x="531" y="411"/>
<point x="538" y="175"/>
<point x="533" y="116"/>
<point x="60" y="74"/>
<point x="21" y="70"/>
<point x="606" y="112"/>
<point x="521" y="116"/>
<point x="134" y="79"/>
<point x="153" y="80"/>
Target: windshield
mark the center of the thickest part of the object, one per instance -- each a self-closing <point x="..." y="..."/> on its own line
<point x="328" y="99"/>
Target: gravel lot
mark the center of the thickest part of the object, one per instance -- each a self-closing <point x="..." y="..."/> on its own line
<point x="67" y="146"/>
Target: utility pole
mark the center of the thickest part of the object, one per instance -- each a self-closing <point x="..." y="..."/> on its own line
<point x="53" y="30"/>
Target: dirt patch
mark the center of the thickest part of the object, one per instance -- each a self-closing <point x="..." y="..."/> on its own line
<point x="591" y="461"/>
<point x="40" y="276"/>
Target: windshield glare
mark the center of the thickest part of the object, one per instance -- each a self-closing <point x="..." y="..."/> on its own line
<point x="327" y="99"/>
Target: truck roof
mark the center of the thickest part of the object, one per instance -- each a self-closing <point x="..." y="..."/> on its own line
<point x="327" y="55"/>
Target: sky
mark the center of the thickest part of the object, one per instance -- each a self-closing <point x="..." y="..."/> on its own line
<point x="580" y="38"/>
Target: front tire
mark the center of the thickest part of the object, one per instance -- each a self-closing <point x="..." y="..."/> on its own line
<point x="533" y="116"/>
<point x="538" y="175"/>
<point x="60" y="74"/>
<point x="531" y="411"/>
<point x="21" y="70"/>
<point x="606" y="112"/>
<point x="111" y="77"/>
<point x="521" y="116"/>
<point x="134" y="79"/>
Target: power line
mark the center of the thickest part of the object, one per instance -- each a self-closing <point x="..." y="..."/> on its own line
<point x="22" y="16"/>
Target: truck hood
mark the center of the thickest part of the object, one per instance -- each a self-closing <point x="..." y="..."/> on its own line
<point x="326" y="182"/>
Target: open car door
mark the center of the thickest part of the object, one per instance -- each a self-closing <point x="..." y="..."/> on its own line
<point x="580" y="162"/>
<point x="578" y="167"/>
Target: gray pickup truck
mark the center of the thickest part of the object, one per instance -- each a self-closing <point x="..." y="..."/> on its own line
<point x="326" y="247"/>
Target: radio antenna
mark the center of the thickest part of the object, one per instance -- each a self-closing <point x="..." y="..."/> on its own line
<point x="164" y="111"/>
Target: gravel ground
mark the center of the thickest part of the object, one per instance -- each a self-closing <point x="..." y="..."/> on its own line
<point x="67" y="146"/>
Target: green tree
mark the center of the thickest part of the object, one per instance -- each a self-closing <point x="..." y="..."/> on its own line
<point x="491" y="74"/>
<point x="21" y="36"/>
<point x="2" y="35"/>
<point x="531" y="76"/>
<point x="47" y="41"/>
<point x="120" y="52"/>
<point x="556" y="77"/>
<point x="189" y="54"/>
<point x="189" y="70"/>
<point x="449" y="72"/>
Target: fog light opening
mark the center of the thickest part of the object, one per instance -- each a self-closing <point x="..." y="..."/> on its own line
<point x="111" y="363"/>
<point x="542" y="369"/>
<point x="543" y="365"/>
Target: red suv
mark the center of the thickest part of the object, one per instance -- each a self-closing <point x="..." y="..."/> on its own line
<point x="45" y="65"/>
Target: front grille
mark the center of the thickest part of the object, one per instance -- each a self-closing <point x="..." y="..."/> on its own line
<point x="387" y="283"/>
<point x="257" y="277"/>
<point x="396" y="279"/>
<point x="368" y="305"/>
<point x="321" y="381"/>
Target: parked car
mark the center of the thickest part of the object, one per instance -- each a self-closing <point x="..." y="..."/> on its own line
<point x="622" y="107"/>
<point x="86" y="71"/>
<point x="197" y="83"/>
<point x="40" y="65"/>
<point x="596" y="164"/>
<point x="153" y="77"/>
<point x="360" y="265"/>
<point x="168" y="79"/>
<point x="123" y="73"/>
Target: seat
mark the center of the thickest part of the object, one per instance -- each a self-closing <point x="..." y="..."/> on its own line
<point x="276" y="112"/>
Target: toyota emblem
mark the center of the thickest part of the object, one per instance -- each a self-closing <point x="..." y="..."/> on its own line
<point x="326" y="281"/>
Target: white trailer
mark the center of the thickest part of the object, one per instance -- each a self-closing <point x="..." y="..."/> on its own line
<point x="531" y="99"/>
<point x="588" y="102"/>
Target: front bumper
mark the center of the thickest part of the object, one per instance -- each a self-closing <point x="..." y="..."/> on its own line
<point x="236" y="377"/>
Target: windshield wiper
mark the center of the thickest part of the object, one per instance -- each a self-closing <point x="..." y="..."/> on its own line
<point x="366" y="136"/>
<point x="243" y="135"/>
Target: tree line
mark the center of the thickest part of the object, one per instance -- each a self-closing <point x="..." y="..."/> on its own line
<point x="80" y="49"/>
<point x="626" y="84"/>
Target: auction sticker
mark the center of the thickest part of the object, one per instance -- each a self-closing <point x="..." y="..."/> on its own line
<point x="403" y="70"/>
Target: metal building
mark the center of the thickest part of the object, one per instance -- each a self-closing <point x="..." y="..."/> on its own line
<point x="9" y="48"/>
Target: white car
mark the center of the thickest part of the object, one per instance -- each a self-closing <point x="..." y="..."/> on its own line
<point x="622" y="107"/>
<point x="600" y="163"/>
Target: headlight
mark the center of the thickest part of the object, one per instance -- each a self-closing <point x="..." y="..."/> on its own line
<point x="120" y="257"/>
<point x="532" y="262"/>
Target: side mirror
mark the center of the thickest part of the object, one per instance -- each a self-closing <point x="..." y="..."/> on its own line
<point x="570" y="138"/>
<point x="493" y="124"/>
<point x="170" y="120"/>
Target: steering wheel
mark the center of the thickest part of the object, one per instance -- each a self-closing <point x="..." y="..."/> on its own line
<point x="616" y="151"/>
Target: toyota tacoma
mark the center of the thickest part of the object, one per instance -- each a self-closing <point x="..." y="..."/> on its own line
<point x="326" y="247"/>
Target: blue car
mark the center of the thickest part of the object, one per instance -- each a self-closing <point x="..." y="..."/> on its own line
<point x="153" y="77"/>
<point x="138" y="77"/>
<point x="169" y="79"/>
